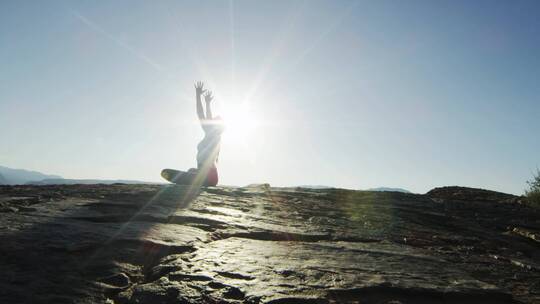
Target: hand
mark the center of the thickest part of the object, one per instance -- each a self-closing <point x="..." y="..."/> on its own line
<point x="208" y="96"/>
<point x="199" y="88"/>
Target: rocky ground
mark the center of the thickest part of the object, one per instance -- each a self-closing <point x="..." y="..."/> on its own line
<point x="171" y="244"/>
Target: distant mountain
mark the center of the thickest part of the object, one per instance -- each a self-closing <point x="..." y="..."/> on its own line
<point x="9" y="176"/>
<point x="387" y="189"/>
<point x="315" y="187"/>
<point x="3" y="181"/>
<point x="263" y="185"/>
<point x="380" y="189"/>
<point x="21" y="176"/>
<point x="63" y="181"/>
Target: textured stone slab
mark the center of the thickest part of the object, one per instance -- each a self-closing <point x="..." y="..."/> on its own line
<point x="169" y="244"/>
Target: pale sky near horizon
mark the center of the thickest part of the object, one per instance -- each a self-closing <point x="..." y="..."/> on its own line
<point x="353" y="94"/>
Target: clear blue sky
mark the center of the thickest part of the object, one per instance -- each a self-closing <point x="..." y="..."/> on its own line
<point x="356" y="94"/>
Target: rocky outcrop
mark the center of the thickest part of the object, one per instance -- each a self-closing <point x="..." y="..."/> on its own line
<point x="471" y="194"/>
<point x="172" y="244"/>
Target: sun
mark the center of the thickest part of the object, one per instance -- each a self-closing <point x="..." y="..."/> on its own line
<point x="240" y="123"/>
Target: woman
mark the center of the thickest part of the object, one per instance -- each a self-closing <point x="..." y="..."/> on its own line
<point x="208" y="148"/>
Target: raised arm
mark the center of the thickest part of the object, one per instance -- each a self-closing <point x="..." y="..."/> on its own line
<point x="208" y="99"/>
<point x="199" y="90"/>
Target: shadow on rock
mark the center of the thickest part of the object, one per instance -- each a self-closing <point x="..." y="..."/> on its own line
<point x="81" y="243"/>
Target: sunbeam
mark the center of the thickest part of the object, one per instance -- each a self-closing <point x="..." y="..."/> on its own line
<point x="233" y="46"/>
<point x="119" y="42"/>
<point x="333" y="27"/>
<point x="283" y="36"/>
<point x="191" y="48"/>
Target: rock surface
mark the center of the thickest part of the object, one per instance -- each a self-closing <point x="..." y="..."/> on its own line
<point x="171" y="244"/>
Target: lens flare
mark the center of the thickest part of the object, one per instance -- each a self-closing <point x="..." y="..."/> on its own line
<point x="240" y="123"/>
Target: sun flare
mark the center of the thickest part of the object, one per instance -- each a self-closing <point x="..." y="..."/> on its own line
<point x="240" y="123"/>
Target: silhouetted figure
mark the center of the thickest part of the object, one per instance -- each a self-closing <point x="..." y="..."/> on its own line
<point x="207" y="150"/>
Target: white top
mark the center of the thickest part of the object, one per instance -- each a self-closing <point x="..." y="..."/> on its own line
<point x="208" y="148"/>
